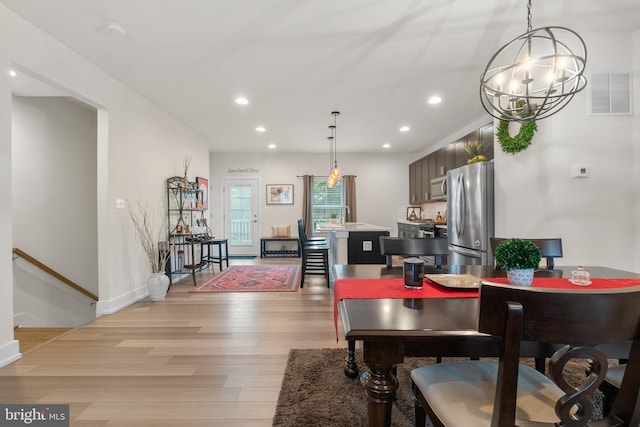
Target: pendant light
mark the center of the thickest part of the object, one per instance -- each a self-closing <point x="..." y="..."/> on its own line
<point x="535" y="75"/>
<point x="334" y="172"/>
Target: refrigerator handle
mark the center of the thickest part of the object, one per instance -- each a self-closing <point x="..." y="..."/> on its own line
<point x="458" y="210"/>
<point x="463" y="205"/>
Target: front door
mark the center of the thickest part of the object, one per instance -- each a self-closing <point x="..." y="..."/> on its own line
<point x="241" y="217"/>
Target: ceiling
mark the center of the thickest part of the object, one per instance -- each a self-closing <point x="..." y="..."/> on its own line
<point x="296" y="61"/>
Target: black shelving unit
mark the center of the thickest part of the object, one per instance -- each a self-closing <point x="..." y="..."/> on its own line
<point x="277" y="247"/>
<point x="187" y="226"/>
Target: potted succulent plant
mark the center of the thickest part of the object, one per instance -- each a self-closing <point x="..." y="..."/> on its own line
<point x="519" y="258"/>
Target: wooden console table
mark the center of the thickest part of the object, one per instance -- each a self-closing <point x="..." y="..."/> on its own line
<point x="282" y="250"/>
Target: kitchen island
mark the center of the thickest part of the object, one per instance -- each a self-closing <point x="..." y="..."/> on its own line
<point x="354" y="242"/>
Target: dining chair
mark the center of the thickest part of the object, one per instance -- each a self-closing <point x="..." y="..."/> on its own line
<point x="550" y="248"/>
<point x="506" y="392"/>
<point x="306" y="240"/>
<point x="407" y="247"/>
<point x="611" y="385"/>
<point x="314" y="255"/>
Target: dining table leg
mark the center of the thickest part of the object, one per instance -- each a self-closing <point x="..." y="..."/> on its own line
<point x="350" y="364"/>
<point x="379" y="381"/>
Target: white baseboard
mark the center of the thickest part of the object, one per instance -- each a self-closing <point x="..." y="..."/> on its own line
<point x="9" y="353"/>
<point x="111" y="306"/>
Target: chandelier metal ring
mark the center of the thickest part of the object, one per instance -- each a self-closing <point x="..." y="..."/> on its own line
<point x="535" y="75"/>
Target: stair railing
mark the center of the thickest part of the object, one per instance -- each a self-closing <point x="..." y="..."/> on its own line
<point x="20" y="253"/>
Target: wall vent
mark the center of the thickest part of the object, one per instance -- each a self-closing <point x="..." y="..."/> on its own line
<point x="610" y="94"/>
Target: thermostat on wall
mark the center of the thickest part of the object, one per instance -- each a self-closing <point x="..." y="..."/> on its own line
<point x="579" y="171"/>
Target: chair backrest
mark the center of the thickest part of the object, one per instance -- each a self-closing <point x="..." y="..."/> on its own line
<point x="302" y="233"/>
<point x="437" y="247"/>
<point x="581" y="319"/>
<point x="550" y="248"/>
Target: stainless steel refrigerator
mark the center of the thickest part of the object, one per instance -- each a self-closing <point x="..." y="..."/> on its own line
<point x="470" y="214"/>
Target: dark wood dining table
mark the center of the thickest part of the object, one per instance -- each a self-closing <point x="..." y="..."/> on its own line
<point x="392" y="328"/>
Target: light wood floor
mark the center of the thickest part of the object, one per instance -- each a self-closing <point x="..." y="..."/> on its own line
<point x="32" y="338"/>
<point x="191" y="360"/>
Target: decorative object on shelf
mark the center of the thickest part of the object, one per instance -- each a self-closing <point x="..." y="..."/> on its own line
<point x="279" y="194"/>
<point x="186" y="163"/>
<point x="334" y="172"/>
<point x="516" y="255"/>
<point x="202" y="184"/>
<point x="156" y="252"/>
<point x="543" y="68"/>
<point x="475" y="151"/>
<point x="414" y="213"/>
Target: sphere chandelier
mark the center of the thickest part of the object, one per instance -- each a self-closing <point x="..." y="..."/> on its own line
<point x="535" y="75"/>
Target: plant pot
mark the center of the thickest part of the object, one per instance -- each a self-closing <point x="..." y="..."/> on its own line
<point x="158" y="285"/>
<point x="520" y="277"/>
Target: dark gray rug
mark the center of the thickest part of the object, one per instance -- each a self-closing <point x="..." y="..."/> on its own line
<point x="315" y="391"/>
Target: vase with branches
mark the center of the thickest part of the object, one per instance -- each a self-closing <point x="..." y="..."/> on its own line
<point x="186" y="163"/>
<point x="156" y="252"/>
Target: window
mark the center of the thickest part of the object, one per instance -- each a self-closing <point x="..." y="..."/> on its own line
<point x="327" y="202"/>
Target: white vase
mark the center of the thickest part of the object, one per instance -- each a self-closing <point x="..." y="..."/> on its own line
<point x="158" y="285"/>
<point x="521" y="277"/>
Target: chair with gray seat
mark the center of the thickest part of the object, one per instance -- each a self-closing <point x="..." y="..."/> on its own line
<point x="550" y="248"/>
<point x="506" y="393"/>
<point x="410" y="247"/>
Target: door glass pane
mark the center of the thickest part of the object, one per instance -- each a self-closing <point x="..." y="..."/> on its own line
<point x="241" y="214"/>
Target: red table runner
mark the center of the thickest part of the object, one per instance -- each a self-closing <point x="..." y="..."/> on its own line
<point x="394" y="288"/>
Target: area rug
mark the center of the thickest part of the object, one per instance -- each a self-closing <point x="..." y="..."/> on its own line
<point x="315" y="391"/>
<point x="253" y="278"/>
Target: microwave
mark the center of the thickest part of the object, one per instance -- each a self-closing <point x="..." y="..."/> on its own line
<point x="439" y="188"/>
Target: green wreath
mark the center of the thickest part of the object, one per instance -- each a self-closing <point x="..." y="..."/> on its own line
<point x="516" y="143"/>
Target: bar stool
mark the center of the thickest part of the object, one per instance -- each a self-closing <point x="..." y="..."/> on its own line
<point x="315" y="260"/>
<point x="222" y="255"/>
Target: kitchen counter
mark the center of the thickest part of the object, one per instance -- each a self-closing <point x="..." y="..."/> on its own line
<point x="350" y="226"/>
<point x="422" y="222"/>
<point x="354" y="242"/>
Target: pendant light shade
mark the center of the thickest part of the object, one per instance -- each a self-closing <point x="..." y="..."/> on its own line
<point x="334" y="171"/>
<point x="535" y="75"/>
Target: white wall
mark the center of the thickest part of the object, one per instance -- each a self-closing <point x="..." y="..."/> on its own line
<point x="54" y="202"/>
<point x="536" y="195"/>
<point x="9" y="350"/>
<point x="382" y="184"/>
<point x="139" y="146"/>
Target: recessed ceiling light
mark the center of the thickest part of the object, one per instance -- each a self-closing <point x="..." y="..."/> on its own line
<point x="386" y="145"/>
<point x="242" y="100"/>
<point x="435" y="100"/>
<point x="116" y="30"/>
<point x="405" y="129"/>
<point x="261" y="129"/>
<point x="12" y="73"/>
<point x="272" y="146"/>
